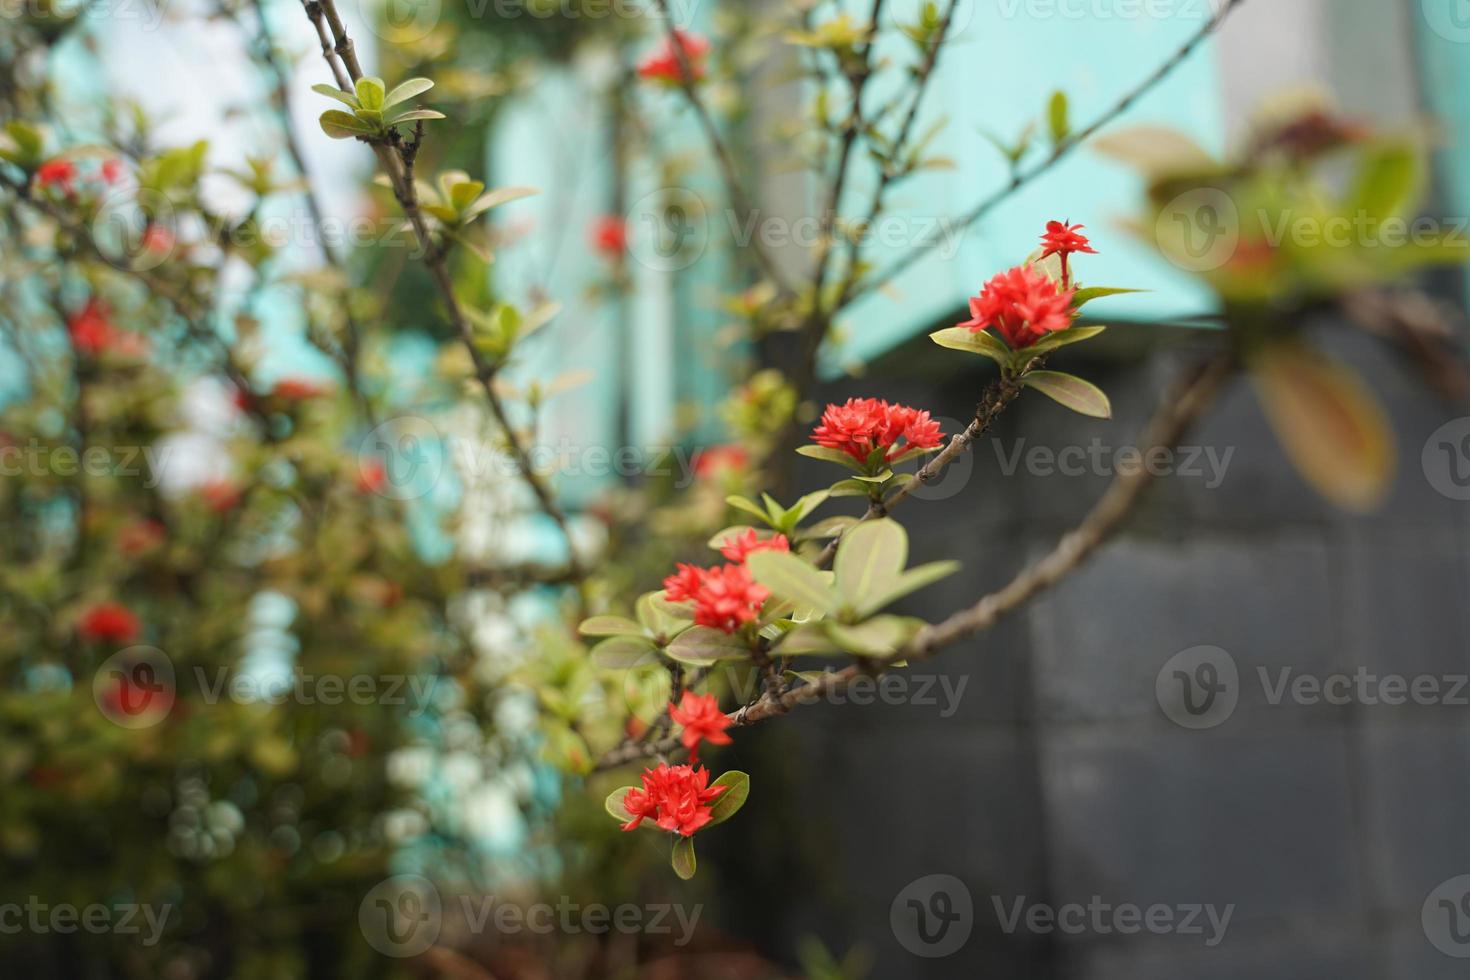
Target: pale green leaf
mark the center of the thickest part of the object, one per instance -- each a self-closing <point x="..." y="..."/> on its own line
<point x="1080" y="396"/>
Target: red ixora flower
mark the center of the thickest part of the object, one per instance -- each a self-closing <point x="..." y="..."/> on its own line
<point x="1062" y="239"/>
<point x="610" y="236"/>
<point x="702" y="719"/>
<point x="862" y="425"/>
<point x="677" y="798"/>
<point x="91" y="328"/>
<point x="718" y="459"/>
<point x="371" y="475"/>
<point x="663" y="64"/>
<point x="1023" y="305"/>
<point x="298" y="389"/>
<point x="742" y="546"/>
<point x="109" y="622"/>
<point x="725" y="598"/>
<point x="57" y="173"/>
<point x="111" y="170"/>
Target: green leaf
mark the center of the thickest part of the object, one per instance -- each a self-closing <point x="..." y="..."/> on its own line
<point x="333" y="92"/>
<point x="869" y="560"/>
<point x="683" y="858"/>
<point x="342" y="125"/>
<point x="371" y="93"/>
<point x="614" y="804"/>
<point x="728" y="803"/>
<point x="623" y="652"/>
<point x="1085" y="296"/>
<point x="609" y="626"/>
<point x="849" y="488"/>
<point x="980" y="342"/>
<point x="828" y="455"/>
<point x="404" y="91"/>
<point x="1388" y="182"/>
<point x="1062" y="338"/>
<point x="792" y="579"/>
<point x="807" y="639"/>
<point x="659" y="616"/>
<point x="495" y="198"/>
<point x="749" y="506"/>
<point x="804" y="507"/>
<point x="1057" y="111"/>
<point x="1080" y="396"/>
<point x="414" y="114"/>
<point x="882" y="476"/>
<point x="702" y="646"/>
<point x="1330" y="425"/>
<point x="910" y="581"/>
<point x="881" y="636"/>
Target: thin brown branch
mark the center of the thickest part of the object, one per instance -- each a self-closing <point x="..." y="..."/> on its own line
<point x="1059" y="153"/>
<point x="734" y="188"/>
<point x="397" y="164"/>
<point x="1179" y="411"/>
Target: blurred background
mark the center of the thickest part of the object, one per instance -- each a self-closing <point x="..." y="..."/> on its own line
<point x="1133" y="741"/>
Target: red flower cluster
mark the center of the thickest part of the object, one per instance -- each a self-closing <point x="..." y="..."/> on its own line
<point x="371" y="475"/>
<point x="677" y="798"/>
<point x="702" y="719"/>
<point x="92" y="332"/>
<point x="610" y="236"/>
<point x="109" y="622"/>
<point x="663" y="65"/>
<point x="742" y="546"/>
<point x="864" y="425"/>
<point x="1023" y="305"/>
<point x="59" y="174"/>
<point x="725" y="598"/>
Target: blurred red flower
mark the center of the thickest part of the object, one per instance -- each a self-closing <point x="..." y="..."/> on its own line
<point x="109" y="622"/>
<point x="610" y="236"/>
<point x="663" y="64"/>
<point x="742" y="546"/>
<point x="298" y="389"/>
<point x="58" y="174"/>
<point x="717" y="459"/>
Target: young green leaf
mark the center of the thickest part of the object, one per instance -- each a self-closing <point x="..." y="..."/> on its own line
<point x="404" y="91"/>
<point x="1057" y="112"/>
<point x="728" y="803"/>
<point x="609" y="626"/>
<point x="333" y="92"/>
<point x="869" y="560"/>
<point x="792" y="579"/>
<point x="1080" y="396"/>
<point x="1062" y="338"/>
<point x="414" y="114"/>
<point x="910" y="581"/>
<point x="829" y="455"/>
<point x="614" y="804"/>
<point x="623" y="652"/>
<point x="982" y="342"/>
<point x="701" y="646"/>
<point x="683" y="860"/>
<point x="341" y="125"/>
<point x="1087" y="295"/>
<point x="371" y="93"/>
<point x="881" y="636"/>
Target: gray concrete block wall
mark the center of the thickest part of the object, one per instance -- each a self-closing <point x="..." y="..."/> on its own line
<point x="1060" y="778"/>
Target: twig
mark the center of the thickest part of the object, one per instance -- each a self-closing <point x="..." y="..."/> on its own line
<point x="734" y="189"/>
<point x="1178" y="412"/>
<point x="1062" y="150"/>
<point x="397" y="163"/>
